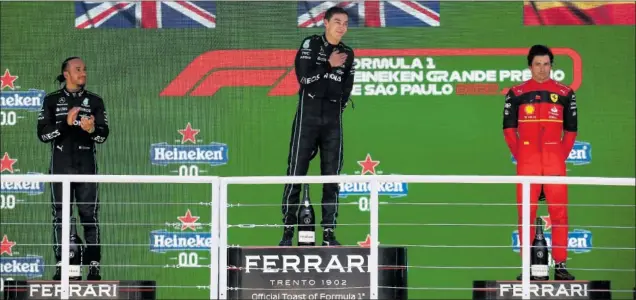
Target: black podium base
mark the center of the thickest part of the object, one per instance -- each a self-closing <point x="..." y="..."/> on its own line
<point x="551" y="289"/>
<point x="49" y="289"/>
<point x="314" y="273"/>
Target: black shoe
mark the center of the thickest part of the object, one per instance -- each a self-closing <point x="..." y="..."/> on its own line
<point x="288" y="236"/>
<point x="93" y="271"/>
<point x="329" y="238"/>
<point x="561" y="273"/>
<point x="58" y="272"/>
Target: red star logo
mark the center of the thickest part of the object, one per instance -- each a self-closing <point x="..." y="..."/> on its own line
<point x="189" y="134"/>
<point x="6" y="245"/>
<point x="7" y="80"/>
<point x="6" y="163"/>
<point x="366" y="243"/>
<point x="547" y="223"/>
<point x="368" y="165"/>
<point x="187" y="221"/>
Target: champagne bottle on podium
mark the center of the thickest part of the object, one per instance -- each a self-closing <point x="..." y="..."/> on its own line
<point x="76" y="253"/>
<point x="539" y="269"/>
<point x="306" y="221"/>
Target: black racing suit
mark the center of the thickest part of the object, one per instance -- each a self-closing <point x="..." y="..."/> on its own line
<point x="73" y="152"/>
<point x="324" y="93"/>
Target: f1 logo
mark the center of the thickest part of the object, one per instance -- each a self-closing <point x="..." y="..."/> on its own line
<point x="236" y="68"/>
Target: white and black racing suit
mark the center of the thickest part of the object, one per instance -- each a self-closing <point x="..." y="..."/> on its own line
<point x="73" y="152"/>
<point x="323" y="95"/>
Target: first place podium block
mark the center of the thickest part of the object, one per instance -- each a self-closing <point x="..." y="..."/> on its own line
<point x="314" y="273"/>
<point x="48" y="289"/>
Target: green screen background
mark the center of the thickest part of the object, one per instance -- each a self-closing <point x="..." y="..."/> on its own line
<point x="441" y="135"/>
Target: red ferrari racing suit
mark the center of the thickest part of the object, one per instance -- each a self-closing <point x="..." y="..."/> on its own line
<point x="540" y="126"/>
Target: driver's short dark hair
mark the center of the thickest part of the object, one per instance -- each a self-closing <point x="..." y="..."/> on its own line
<point x="334" y="11"/>
<point x="60" y="78"/>
<point x="539" y="50"/>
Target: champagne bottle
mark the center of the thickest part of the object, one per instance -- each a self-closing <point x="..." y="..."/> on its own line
<point x="76" y="253"/>
<point x="306" y="221"/>
<point x="539" y="254"/>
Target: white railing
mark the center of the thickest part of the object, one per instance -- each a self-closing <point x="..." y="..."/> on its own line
<point x="66" y="211"/>
<point x="218" y="251"/>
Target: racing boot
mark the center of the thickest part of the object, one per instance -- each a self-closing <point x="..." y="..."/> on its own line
<point x="93" y="271"/>
<point x="288" y="236"/>
<point x="329" y="238"/>
<point x="561" y="273"/>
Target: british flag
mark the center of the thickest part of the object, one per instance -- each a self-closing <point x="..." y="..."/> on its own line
<point x="145" y="14"/>
<point x="374" y="13"/>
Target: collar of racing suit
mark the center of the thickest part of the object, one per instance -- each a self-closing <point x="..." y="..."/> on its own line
<point x="77" y="93"/>
<point x="547" y="81"/>
<point x="326" y="42"/>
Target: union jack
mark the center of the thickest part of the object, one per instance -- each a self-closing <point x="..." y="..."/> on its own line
<point x="374" y="13"/>
<point x="145" y="14"/>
